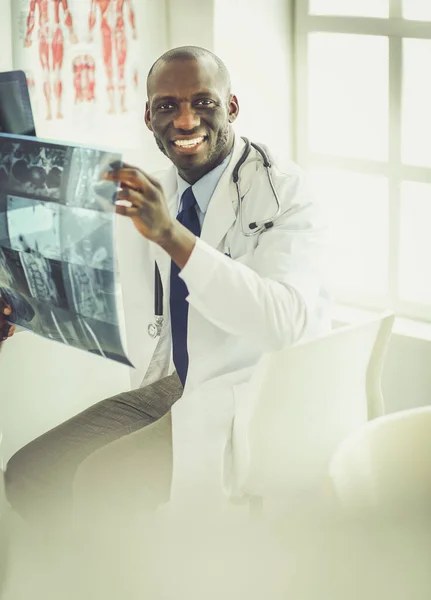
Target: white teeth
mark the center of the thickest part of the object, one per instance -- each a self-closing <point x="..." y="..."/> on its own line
<point x="188" y="143"/>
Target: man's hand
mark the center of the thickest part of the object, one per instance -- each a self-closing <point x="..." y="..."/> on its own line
<point x="148" y="209"/>
<point x="6" y="329"/>
<point x="27" y="42"/>
<point x="143" y="201"/>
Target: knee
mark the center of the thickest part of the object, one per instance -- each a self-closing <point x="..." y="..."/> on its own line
<point x="31" y="479"/>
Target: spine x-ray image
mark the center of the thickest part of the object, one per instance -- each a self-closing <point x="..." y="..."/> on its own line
<point x="57" y="260"/>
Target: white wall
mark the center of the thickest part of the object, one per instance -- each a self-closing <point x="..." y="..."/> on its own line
<point x="190" y="23"/>
<point x="253" y="38"/>
<point x="6" y="37"/>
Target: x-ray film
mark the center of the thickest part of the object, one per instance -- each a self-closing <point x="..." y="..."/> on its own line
<point x="57" y="260"/>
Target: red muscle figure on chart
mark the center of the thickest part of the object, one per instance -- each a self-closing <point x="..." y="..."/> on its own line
<point x="51" y="45"/>
<point x="114" y="36"/>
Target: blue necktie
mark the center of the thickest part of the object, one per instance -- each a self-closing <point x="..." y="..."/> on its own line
<point x="177" y="301"/>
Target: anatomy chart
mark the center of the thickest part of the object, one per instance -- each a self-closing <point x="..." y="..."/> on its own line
<point x="57" y="263"/>
<point x="81" y="62"/>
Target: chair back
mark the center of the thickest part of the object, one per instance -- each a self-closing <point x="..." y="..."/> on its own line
<point x="302" y="402"/>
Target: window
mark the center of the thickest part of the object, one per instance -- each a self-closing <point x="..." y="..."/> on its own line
<point x="363" y="133"/>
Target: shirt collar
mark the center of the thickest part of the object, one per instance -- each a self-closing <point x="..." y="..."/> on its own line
<point x="204" y="188"/>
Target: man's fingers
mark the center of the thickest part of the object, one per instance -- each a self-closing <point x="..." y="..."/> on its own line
<point x="132" y="197"/>
<point x="132" y="178"/>
<point x="127" y="211"/>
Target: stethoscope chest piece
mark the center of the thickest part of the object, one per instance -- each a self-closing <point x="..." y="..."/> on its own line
<point x="155" y="328"/>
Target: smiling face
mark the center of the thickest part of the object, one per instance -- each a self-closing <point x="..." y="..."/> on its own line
<point x="190" y="111"/>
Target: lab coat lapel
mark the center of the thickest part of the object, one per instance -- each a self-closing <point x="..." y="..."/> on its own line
<point x="221" y="211"/>
<point x="169" y="183"/>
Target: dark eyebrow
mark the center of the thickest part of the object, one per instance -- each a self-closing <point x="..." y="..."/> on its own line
<point x="157" y="99"/>
<point x="204" y="93"/>
<point x="201" y="94"/>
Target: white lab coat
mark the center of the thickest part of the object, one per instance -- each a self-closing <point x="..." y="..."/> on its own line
<point x="267" y="294"/>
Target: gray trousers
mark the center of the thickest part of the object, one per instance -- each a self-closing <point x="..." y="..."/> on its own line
<point x="121" y="446"/>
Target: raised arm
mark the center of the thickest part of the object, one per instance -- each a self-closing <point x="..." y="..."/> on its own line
<point x="275" y="298"/>
<point x="132" y="18"/>
<point x="68" y="20"/>
<point x="92" y="18"/>
<point x="31" y="18"/>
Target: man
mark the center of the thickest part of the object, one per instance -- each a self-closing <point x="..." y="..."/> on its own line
<point x="257" y="294"/>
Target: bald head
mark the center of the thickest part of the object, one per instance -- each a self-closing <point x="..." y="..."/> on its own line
<point x="184" y="53"/>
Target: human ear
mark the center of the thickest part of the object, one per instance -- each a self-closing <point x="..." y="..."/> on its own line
<point x="147" y="117"/>
<point x="233" y="108"/>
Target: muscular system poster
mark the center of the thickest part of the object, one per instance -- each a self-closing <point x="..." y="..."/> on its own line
<point x="81" y="60"/>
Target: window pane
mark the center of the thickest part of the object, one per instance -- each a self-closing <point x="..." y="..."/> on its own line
<point x="351" y="8"/>
<point x="348" y="95"/>
<point x="415" y="242"/>
<point x="419" y="10"/>
<point x="416" y="116"/>
<point x="357" y="208"/>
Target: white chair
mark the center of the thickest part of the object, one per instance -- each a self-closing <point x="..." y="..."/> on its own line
<point x="381" y="476"/>
<point x="386" y="463"/>
<point x="303" y="402"/>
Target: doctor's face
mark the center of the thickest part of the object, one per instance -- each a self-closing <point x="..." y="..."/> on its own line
<point x="190" y="113"/>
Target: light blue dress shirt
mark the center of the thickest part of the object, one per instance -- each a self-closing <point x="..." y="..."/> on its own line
<point x="204" y="188"/>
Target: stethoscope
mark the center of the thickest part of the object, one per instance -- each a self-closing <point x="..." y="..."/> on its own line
<point x="256" y="227"/>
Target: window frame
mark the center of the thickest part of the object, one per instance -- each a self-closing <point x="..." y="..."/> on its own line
<point x="396" y="29"/>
